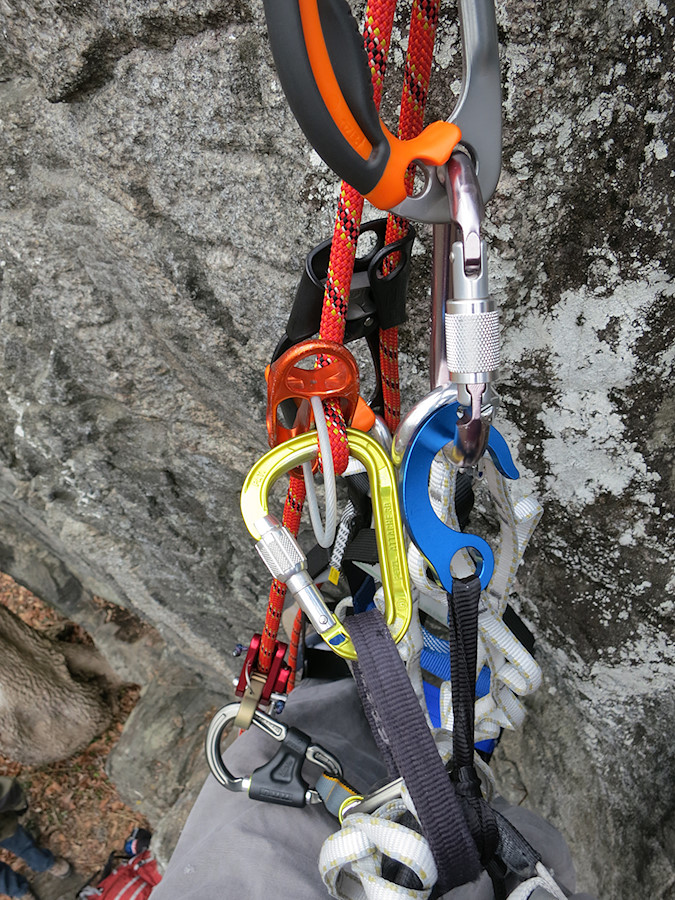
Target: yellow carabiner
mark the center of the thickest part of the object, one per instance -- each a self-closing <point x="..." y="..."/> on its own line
<point x="386" y="518"/>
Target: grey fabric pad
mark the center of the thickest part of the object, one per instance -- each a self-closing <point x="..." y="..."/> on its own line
<point x="234" y="847"/>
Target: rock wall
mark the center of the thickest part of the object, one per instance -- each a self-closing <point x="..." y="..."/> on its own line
<point x="156" y="203"/>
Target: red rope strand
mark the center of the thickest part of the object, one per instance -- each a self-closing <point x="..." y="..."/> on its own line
<point x="419" y="59"/>
<point x="377" y="37"/>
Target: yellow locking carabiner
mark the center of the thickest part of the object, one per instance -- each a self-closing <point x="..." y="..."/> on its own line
<point x="386" y="519"/>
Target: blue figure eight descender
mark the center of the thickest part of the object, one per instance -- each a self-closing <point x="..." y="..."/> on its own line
<point x="435" y="540"/>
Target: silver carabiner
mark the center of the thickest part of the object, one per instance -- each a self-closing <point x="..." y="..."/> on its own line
<point x="280" y="780"/>
<point x="373" y="801"/>
<point x="465" y="320"/>
<point x="465" y="341"/>
<point x="443" y="395"/>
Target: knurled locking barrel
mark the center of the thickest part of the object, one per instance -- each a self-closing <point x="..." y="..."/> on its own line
<point x="284" y="558"/>
<point x="471" y="323"/>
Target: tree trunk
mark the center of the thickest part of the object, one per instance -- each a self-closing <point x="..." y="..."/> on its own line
<point x="54" y="697"/>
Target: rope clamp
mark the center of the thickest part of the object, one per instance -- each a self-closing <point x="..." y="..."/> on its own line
<point x="285" y="559"/>
<point x="280" y="780"/>
<point x="374" y="299"/>
<point x="255" y="687"/>
<point x="288" y="382"/>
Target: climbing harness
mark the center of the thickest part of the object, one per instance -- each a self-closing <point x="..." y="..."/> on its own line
<point x="439" y="658"/>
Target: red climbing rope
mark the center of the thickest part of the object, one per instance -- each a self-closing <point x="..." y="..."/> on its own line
<point x="419" y="58"/>
<point x="294" y="646"/>
<point x="295" y="498"/>
<point x="377" y="37"/>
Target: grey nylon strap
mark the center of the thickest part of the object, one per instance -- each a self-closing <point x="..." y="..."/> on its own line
<point x="407" y="746"/>
<point x="333" y="793"/>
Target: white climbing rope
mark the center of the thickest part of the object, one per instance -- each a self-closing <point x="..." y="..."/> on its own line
<point x="350" y="861"/>
<point x="543" y="879"/>
<point x="513" y="671"/>
<point x="324" y="535"/>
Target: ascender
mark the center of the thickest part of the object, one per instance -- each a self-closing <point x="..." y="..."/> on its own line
<point x="323" y="70"/>
<point x="286" y="560"/>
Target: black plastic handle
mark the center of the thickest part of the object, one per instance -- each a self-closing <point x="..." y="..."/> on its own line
<point x="323" y="69"/>
<point x="344" y="47"/>
<point x="280" y="780"/>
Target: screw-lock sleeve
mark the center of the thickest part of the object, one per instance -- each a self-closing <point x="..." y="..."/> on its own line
<point x="472" y="340"/>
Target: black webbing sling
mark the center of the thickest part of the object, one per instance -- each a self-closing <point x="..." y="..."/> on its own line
<point x="465" y="834"/>
<point x="408" y="749"/>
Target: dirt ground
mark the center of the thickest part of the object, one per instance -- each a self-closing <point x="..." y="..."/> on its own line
<point x="74" y="809"/>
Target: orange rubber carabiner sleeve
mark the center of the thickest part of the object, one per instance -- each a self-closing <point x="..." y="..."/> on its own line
<point x="323" y="69"/>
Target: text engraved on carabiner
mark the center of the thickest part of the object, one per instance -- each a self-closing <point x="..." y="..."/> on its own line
<point x="390" y="538"/>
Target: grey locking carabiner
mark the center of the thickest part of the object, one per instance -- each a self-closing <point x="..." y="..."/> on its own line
<point x="373" y="801"/>
<point x="465" y="320"/>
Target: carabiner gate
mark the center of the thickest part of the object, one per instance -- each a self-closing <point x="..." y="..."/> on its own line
<point x="280" y="780"/>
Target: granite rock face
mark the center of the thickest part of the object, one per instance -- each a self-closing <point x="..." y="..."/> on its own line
<point x="156" y="203"/>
